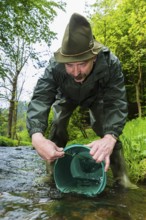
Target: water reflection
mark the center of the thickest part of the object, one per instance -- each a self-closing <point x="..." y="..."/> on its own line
<point x="35" y="200"/>
<point x="109" y="206"/>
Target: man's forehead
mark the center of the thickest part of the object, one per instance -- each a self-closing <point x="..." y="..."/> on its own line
<point x="77" y="63"/>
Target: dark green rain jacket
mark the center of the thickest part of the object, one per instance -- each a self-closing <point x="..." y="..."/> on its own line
<point x="105" y="84"/>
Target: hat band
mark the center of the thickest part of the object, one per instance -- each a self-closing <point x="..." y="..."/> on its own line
<point x="77" y="54"/>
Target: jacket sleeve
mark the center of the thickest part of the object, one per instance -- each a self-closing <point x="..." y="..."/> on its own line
<point x="40" y="104"/>
<point x="115" y="102"/>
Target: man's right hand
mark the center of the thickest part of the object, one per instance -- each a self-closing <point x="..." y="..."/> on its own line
<point x="46" y="148"/>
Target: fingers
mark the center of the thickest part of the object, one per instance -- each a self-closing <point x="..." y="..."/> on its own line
<point x="97" y="151"/>
<point x="54" y="157"/>
<point x="60" y="149"/>
<point x="59" y="154"/>
<point x="107" y="163"/>
<point x="55" y="154"/>
<point x="89" y="145"/>
<point x="100" y="152"/>
<point x="94" y="150"/>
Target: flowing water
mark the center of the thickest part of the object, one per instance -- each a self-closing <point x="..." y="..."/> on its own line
<point x="26" y="195"/>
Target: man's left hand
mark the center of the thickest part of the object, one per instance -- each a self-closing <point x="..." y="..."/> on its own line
<point x="102" y="149"/>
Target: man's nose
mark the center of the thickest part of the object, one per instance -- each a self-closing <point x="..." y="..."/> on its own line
<point x="76" y="70"/>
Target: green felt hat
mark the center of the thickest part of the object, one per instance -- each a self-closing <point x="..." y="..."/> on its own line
<point x="78" y="43"/>
<point x="77" y="172"/>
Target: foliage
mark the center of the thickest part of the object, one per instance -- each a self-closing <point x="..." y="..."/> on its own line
<point x="134" y="143"/>
<point x="28" y="19"/>
<point x="3" y="122"/>
<point x="23" y="24"/>
<point x="51" y="114"/>
<point x="121" y="25"/>
<point x="79" y="139"/>
<point x="21" y="131"/>
<point x="22" y="136"/>
<point x="4" y="141"/>
<point x="78" y="123"/>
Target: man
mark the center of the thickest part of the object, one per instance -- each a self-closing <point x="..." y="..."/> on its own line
<point x="82" y="73"/>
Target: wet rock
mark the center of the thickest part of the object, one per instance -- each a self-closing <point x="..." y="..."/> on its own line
<point x="20" y="167"/>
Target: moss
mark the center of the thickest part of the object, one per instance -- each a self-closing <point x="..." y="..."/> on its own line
<point x="8" y="142"/>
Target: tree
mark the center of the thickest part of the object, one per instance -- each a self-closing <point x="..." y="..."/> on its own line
<point x="134" y="45"/>
<point x="14" y="59"/>
<point x="22" y="25"/>
<point x="122" y="27"/>
<point x="28" y="20"/>
<point x="3" y="121"/>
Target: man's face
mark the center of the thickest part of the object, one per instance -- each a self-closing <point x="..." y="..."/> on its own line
<point x="79" y="70"/>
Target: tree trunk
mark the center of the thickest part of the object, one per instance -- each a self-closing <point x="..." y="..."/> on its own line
<point x="12" y="109"/>
<point x="137" y="85"/>
<point x="83" y="131"/>
<point x="14" y="120"/>
<point x="10" y="117"/>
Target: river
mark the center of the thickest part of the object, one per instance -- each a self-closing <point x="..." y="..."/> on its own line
<point x="26" y="195"/>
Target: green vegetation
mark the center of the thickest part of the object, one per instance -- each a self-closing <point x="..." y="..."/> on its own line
<point x="134" y="143"/>
<point x="118" y="24"/>
<point x="121" y="26"/>
<point x="25" y="25"/>
<point x="133" y="139"/>
<point x="4" y="141"/>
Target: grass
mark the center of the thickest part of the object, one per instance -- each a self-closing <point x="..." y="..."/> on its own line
<point x="134" y="143"/>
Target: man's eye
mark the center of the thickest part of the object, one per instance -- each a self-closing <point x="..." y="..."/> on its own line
<point x="69" y="65"/>
<point x="82" y="64"/>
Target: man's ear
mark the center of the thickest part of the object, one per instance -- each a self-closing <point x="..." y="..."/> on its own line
<point x="94" y="59"/>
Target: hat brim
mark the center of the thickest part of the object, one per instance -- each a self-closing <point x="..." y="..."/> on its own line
<point x="60" y="58"/>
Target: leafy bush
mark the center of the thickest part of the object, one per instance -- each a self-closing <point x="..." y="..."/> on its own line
<point x="134" y="143"/>
<point x="23" y="136"/>
<point x="79" y="139"/>
<point x="4" y="141"/>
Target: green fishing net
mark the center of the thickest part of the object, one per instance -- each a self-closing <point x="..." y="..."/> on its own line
<point x="77" y="172"/>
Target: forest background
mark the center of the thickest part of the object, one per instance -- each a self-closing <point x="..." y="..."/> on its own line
<point x="118" y="24"/>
